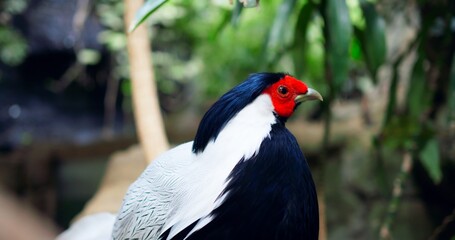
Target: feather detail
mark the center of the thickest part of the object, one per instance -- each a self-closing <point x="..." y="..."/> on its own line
<point x="181" y="187"/>
<point x="92" y="227"/>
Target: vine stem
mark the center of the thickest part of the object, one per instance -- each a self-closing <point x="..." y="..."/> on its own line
<point x="445" y="223"/>
<point x="397" y="192"/>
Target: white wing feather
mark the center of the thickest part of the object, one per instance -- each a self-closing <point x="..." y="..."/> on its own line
<point x="148" y="202"/>
<point x="180" y="187"/>
<point x="92" y="227"/>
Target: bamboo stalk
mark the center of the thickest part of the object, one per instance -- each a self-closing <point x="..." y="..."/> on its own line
<point x="149" y="122"/>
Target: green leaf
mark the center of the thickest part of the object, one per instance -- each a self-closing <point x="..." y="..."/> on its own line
<point x="236" y="13"/>
<point x="226" y="17"/>
<point x="144" y="12"/>
<point x="302" y="23"/>
<point x="314" y="64"/>
<point x="429" y="156"/>
<point x="373" y="38"/>
<point x="419" y="94"/>
<point x="355" y="13"/>
<point x="356" y="49"/>
<point x="300" y="37"/>
<point x="274" y="42"/>
<point x="339" y="32"/>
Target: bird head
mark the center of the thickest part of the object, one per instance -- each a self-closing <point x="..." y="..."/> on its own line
<point x="287" y="93"/>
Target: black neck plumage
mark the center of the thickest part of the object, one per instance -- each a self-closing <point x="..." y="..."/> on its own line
<point x="229" y="105"/>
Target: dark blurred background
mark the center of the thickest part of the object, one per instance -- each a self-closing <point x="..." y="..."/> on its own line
<point x="384" y="67"/>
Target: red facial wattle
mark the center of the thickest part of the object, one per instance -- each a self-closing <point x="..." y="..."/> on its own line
<point x="283" y="94"/>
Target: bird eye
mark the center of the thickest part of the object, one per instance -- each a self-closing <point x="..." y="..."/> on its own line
<point x="283" y="91"/>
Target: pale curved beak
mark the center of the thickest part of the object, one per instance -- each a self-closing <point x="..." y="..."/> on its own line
<point x="311" y="94"/>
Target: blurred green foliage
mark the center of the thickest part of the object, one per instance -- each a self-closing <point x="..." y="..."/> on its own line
<point x="13" y="6"/>
<point x="13" y="47"/>
<point x="319" y="41"/>
<point x="88" y="56"/>
<point x="279" y="35"/>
